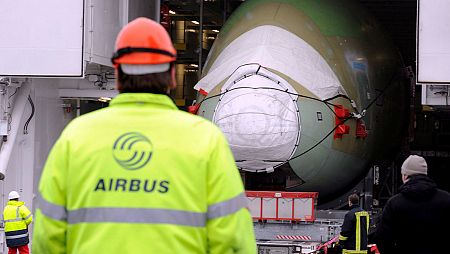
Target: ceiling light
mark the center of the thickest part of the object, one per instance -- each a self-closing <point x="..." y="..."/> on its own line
<point x="193" y="65"/>
<point x="195" y="22"/>
<point x="191" y="30"/>
<point x="215" y="30"/>
<point x="172" y="12"/>
<point x="104" y="99"/>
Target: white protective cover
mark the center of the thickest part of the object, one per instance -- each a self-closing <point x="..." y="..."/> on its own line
<point x="276" y="48"/>
<point x="262" y="125"/>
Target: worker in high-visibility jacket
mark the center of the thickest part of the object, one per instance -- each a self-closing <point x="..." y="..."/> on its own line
<point x="354" y="231"/>
<point x="141" y="176"/>
<point x="16" y="218"/>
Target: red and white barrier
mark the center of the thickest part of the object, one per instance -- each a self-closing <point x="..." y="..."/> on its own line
<point x="294" y="237"/>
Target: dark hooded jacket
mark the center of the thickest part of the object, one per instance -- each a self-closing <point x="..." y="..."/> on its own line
<point x="413" y="221"/>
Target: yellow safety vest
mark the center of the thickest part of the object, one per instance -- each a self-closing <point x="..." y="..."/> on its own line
<point x="16" y="217"/>
<point x="142" y="177"/>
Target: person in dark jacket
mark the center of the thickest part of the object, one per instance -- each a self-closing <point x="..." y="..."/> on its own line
<point x="412" y="221"/>
<point x="354" y="230"/>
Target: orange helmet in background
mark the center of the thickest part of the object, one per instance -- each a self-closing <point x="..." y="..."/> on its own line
<point x="144" y="42"/>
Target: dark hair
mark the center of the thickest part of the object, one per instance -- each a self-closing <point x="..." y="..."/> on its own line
<point x="354" y="199"/>
<point x="157" y="83"/>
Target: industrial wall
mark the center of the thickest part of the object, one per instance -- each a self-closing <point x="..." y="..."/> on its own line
<point x="32" y="143"/>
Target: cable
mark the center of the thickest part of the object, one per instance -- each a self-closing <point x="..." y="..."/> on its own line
<point x="11" y="95"/>
<point x="277" y="89"/>
<point x="25" y="127"/>
<point x="328" y="104"/>
<point x="309" y="149"/>
<point x="382" y="91"/>
<point x="329" y="133"/>
<point x="270" y="88"/>
<point x="326" y="136"/>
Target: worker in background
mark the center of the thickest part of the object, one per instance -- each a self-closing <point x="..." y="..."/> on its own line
<point x="354" y="230"/>
<point x="16" y="217"/>
<point x="412" y="221"/>
<point x="142" y="176"/>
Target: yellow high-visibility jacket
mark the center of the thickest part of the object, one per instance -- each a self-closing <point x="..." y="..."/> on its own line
<point x="16" y="217"/>
<point x="142" y="177"/>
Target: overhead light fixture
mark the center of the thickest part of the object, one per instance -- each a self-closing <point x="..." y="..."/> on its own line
<point x="191" y="30"/>
<point x="215" y="30"/>
<point x="104" y="99"/>
<point x="194" y="65"/>
<point x="172" y="12"/>
<point x="195" y="22"/>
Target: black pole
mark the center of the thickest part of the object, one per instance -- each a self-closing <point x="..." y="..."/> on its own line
<point x="200" y="40"/>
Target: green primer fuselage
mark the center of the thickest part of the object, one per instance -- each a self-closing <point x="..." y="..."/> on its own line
<point x="365" y="63"/>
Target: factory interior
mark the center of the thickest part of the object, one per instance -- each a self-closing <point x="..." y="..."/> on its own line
<point x="317" y="99"/>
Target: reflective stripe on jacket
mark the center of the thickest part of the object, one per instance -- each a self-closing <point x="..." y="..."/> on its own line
<point x="16" y="217"/>
<point x="354" y="231"/>
<point x="142" y="177"/>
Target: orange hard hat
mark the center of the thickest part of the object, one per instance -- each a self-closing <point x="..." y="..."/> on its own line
<point x="143" y="41"/>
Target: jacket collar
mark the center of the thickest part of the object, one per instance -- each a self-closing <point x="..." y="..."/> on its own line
<point x="143" y="98"/>
<point x="418" y="187"/>
<point x="15" y="203"/>
<point x="354" y="207"/>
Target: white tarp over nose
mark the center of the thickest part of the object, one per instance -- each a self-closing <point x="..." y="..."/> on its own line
<point x="259" y="118"/>
<point x="278" y="49"/>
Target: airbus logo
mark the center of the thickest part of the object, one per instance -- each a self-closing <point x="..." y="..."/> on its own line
<point x="132" y="150"/>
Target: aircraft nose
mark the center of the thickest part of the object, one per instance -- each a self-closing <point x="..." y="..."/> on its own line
<point x="261" y="122"/>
